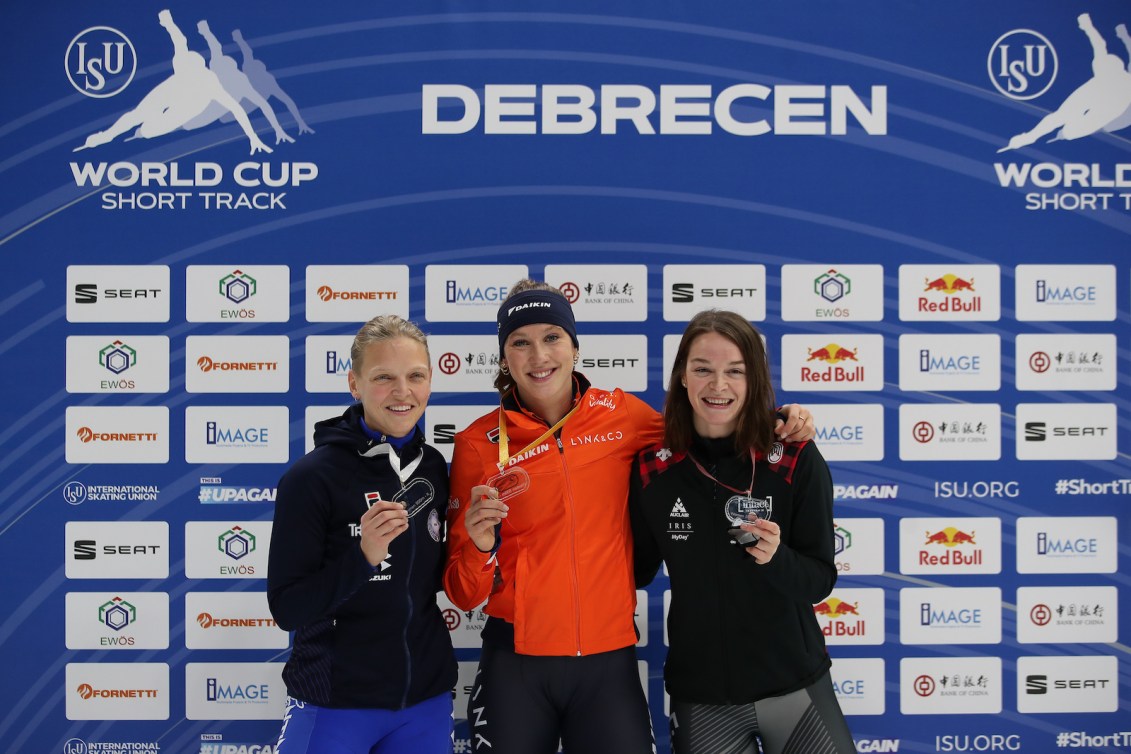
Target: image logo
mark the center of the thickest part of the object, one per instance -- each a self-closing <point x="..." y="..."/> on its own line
<point x="950" y="537"/>
<point x="832" y="286"/>
<point x="196" y="94"/>
<point x="832" y="354"/>
<point x="117" y="357"/>
<point x="1022" y="64"/>
<point x="101" y="62"/>
<point x="1100" y="104"/>
<point x="236" y="543"/>
<point x="116" y="614"/>
<point x="237" y="287"/>
<point x="948" y="284"/>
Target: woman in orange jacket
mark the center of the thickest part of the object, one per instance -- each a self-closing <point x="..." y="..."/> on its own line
<point x="538" y="526"/>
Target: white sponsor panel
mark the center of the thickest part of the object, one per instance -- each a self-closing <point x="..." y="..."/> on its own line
<point x="117" y="550"/>
<point x="640" y="618"/>
<point x="832" y="293"/>
<point x="858" y="545"/>
<point x="852" y="616"/>
<point x="355" y="293"/>
<point x="464" y="363"/>
<point x="464" y="626"/>
<point x="315" y="414"/>
<point x="1067" y="544"/>
<point x="840" y="362"/>
<point x="949" y="362"/>
<point x="328" y="363"/>
<point x="237" y="364"/>
<point x="950" y="615"/>
<point x="859" y="685"/>
<point x="117" y="434"/>
<point x="231" y="620"/>
<point x="237" y="434"/>
<point x="1066" y="431"/>
<point x="117" y="293"/>
<point x="950" y="685"/>
<point x="849" y="431"/>
<point x="117" y="364"/>
<point x="603" y="292"/>
<point x="226" y="549"/>
<point x="441" y="423"/>
<point x="234" y="691"/>
<point x="949" y="432"/>
<point x="468" y="292"/>
<point x="1080" y="361"/>
<point x="117" y="691"/>
<point x="238" y="293"/>
<point x="953" y="545"/>
<point x="117" y="620"/>
<point x="1067" y="684"/>
<point x="616" y="360"/>
<point x="949" y="292"/>
<point x="691" y="288"/>
<point x="1065" y="292"/>
<point x="1067" y="615"/>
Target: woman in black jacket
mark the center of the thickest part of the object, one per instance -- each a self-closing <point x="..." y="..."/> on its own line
<point x="744" y="524"/>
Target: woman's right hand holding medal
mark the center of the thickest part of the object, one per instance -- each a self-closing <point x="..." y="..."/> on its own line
<point x="483" y="515"/>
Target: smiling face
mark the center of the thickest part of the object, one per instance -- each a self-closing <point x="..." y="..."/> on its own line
<point x="540" y="359"/>
<point x="715" y="379"/>
<point x="393" y="381"/>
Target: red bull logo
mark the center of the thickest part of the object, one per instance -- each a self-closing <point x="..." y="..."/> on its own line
<point x="950" y="537"/>
<point x="948" y="284"/>
<point x="832" y="354"/>
<point x="837" y="611"/>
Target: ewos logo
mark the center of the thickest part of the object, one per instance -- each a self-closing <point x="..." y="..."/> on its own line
<point x="100" y="62"/>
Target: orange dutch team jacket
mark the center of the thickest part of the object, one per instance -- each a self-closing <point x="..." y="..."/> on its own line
<point x="565" y="555"/>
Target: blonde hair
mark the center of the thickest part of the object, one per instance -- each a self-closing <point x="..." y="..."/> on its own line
<point x="381" y="328"/>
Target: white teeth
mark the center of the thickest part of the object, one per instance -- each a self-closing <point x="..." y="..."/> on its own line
<point x="403" y="407"/>
<point x="717" y="401"/>
<point x="540" y="375"/>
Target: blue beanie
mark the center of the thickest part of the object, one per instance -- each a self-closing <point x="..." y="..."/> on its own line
<point x="535" y="307"/>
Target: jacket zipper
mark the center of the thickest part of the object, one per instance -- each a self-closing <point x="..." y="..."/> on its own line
<point x="408" y="616"/>
<point x="574" y="577"/>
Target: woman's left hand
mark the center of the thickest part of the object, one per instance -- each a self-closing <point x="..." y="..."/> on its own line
<point x="797" y="425"/>
<point x="769" y="537"/>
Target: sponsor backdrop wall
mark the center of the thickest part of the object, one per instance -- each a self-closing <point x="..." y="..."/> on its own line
<point x="924" y="206"/>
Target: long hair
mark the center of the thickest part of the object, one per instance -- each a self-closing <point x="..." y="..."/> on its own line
<point x="504" y="382"/>
<point x="385" y="327"/>
<point x="755" y="426"/>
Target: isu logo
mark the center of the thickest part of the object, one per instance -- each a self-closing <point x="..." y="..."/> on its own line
<point x="950" y="537"/>
<point x="948" y="284"/>
<point x="834" y="608"/>
<point x="832" y="354"/>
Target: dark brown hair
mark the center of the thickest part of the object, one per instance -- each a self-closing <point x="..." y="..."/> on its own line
<point x="755" y="428"/>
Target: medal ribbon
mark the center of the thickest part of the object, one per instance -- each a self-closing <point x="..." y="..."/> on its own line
<point x="504" y="445"/>
<point x="746" y="492"/>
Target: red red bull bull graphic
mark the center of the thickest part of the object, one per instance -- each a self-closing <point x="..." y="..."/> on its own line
<point x="842" y="619"/>
<point x="952" y="539"/>
<point x="832" y="355"/>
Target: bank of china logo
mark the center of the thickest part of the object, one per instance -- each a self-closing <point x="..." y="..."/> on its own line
<point x="832" y="354"/>
<point x="100" y="62"/>
<point x="236" y="543"/>
<point x="116" y="614"/>
<point x="237" y="287"/>
<point x="195" y="95"/>
<point x="1100" y="104"/>
<point x="950" y="537"/>
<point x="832" y="286"/>
<point x="948" y="284"/>
<point x="117" y="357"/>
